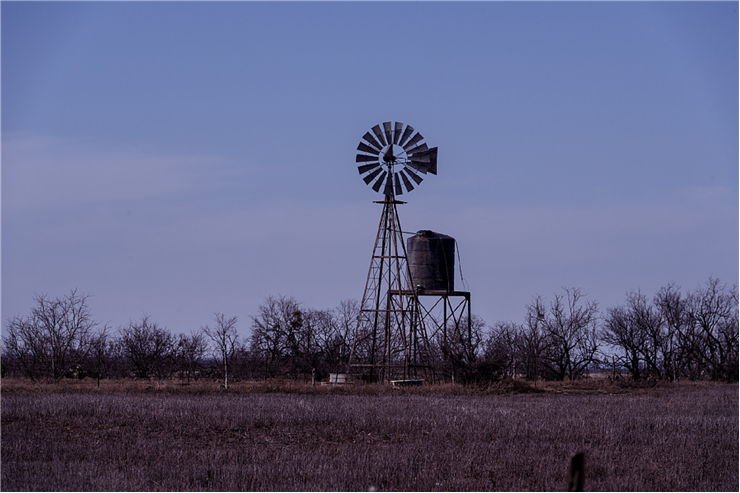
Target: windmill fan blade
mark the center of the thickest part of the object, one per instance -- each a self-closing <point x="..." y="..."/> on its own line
<point x="366" y="148"/>
<point x="361" y="158"/>
<point x="397" y="132"/>
<point x="379" y="134"/>
<point x="388" y="190"/>
<point x="397" y="182"/>
<point x="388" y="132"/>
<point x="377" y="184"/>
<point x="416" y="138"/>
<point x="418" y="179"/>
<point x="369" y="137"/>
<point x="406" y="181"/>
<point x="367" y="167"/>
<point x="371" y="176"/>
<point x="406" y="134"/>
<point x="419" y="148"/>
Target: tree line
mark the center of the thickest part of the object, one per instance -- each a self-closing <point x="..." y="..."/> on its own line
<point x="670" y="336"/>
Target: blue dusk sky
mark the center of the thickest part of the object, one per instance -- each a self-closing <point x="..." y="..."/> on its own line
<point x="180" y="159"/>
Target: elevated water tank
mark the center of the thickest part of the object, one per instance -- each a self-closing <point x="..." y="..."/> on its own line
<point x="432" y="260"/>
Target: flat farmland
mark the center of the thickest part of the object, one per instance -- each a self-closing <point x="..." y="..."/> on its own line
<point x="680" y="438"/>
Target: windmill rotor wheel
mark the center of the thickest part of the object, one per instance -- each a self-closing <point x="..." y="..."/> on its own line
<point x="394" y="158"/>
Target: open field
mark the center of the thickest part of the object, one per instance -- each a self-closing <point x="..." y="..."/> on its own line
<point x="139" y="437"/>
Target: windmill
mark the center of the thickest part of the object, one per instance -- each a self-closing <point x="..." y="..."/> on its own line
<point x="390" y="340"/>
<point x="393" y="157"/>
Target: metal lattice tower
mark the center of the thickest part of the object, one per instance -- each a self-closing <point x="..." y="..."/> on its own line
<point x="389" y="312"/>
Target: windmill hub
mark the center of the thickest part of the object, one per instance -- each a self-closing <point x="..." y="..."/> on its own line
<point x="393" y="154"/>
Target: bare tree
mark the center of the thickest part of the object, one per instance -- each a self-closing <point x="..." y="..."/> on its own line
<point x="462" y="347"/>
<point x="570" y="328"/>
<point x="190" y="351"/>
<point x="500" y="349"/>
<point x="673" y="308"/>
<point x="148" y="348"/>
<point x="344" y="317"/>
<point x="627" y="339"/>
<point x="532" y="341"/>
<point x="24" y="347"/>
<point x="101" y="353"/>
<point x="55" y="336"/>
<point x="323" y="349"/>
<point x="225" y="340"/>
<point x="274" y="332"/>
<point x="649" y="322"/>
<point x="639" y="332"/>
<point x="714" y="336"/>
<point x="694" y="335"/>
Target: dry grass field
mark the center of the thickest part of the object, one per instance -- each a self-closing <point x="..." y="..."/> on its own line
<point x="162" y="436"/>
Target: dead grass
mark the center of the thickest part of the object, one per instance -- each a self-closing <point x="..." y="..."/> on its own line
<point x="26" y="386"/>
<point x="258" y="437"/>
<point x="586" y="386"/>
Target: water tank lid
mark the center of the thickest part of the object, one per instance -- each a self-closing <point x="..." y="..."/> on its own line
<point x="427" y="233"/>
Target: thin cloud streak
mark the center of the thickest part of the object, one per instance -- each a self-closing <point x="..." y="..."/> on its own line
<point x="42" y="172"/>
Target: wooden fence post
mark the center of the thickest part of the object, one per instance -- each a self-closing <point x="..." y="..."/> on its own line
<point x="575" y="480"/>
